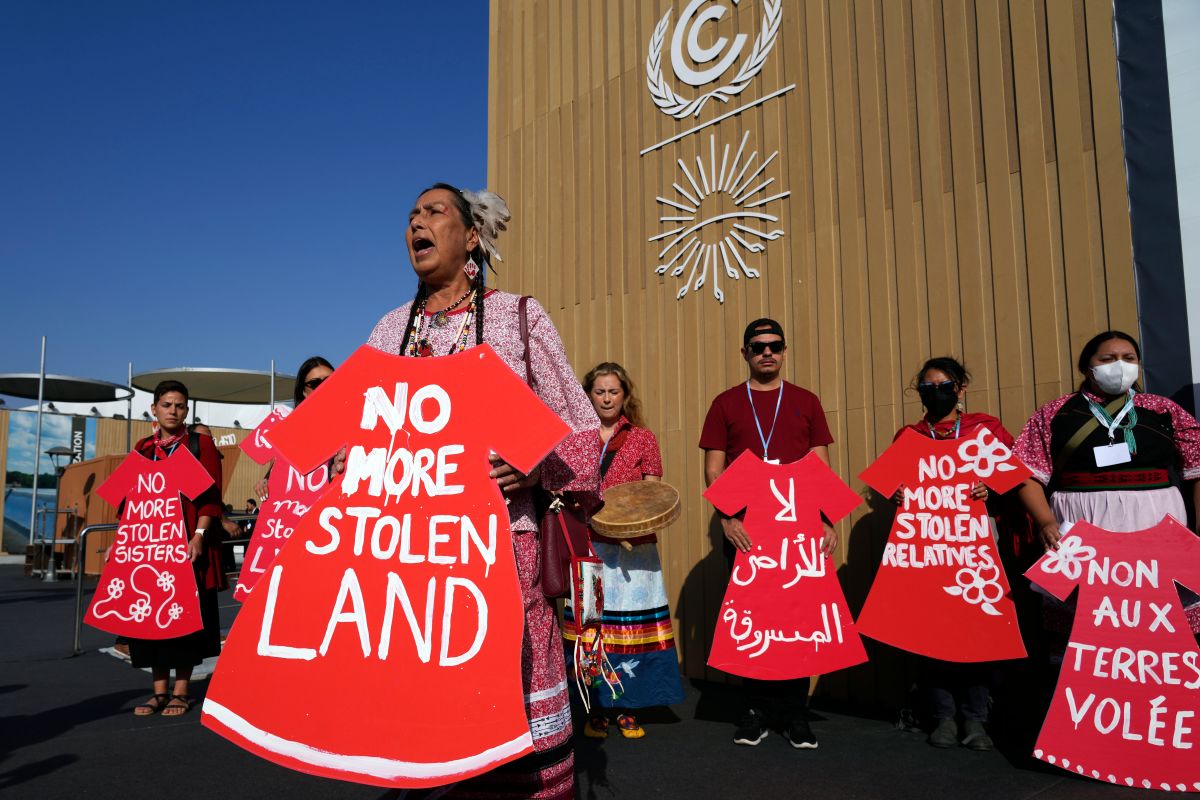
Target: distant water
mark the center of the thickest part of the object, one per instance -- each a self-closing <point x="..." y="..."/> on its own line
<point x="17" y="505"/>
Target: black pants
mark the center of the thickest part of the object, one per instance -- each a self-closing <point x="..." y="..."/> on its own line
<point x="781" y="702"/>
<point x="950" y="688"/>
<point x="778" y="701"/>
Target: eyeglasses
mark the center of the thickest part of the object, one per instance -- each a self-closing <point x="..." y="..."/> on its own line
<point x="927" y="385"/>
<point x="314" y="383"/>
<point x="758" y="348"/>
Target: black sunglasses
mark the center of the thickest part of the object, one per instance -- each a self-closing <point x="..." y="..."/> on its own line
<point x="927" y="385"/>
<point x="758" y="348"/>
<point x="314" y="383"/>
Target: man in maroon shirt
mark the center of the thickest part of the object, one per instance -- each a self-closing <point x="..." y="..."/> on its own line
<point x="780" y="423"/>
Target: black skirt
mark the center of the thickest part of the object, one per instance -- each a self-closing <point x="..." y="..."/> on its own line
<point x="182" y="651"/>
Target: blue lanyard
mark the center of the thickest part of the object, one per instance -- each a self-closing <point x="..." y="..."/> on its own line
<point x="766" y="441"/>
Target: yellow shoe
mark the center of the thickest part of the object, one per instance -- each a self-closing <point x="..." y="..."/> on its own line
<point x="629" y="727"/>
<point x="596" y="728"/>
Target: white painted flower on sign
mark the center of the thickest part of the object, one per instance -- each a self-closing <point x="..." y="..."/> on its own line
<point x="972" y="586"/>
<point x="1069" y="558"/>
<point x="140" y="609"/>
<point x="732" y="195"/>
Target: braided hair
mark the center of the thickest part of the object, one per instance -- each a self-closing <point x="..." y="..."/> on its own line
<point x="488" y="215"/>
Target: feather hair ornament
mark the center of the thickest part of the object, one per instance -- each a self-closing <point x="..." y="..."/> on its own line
<point x="491" y="216"/>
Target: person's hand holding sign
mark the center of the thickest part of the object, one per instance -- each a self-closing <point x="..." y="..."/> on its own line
<point x="736" y="534"/>
<point x="829" y="542"/>
<point x="978" y="492"/>
<point x="196" y="543"/>
<point x="509" y="479"/>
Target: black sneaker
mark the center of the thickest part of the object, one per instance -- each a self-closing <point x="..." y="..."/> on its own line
<point x="801" y="735"/>
<point x="750" y="730"/>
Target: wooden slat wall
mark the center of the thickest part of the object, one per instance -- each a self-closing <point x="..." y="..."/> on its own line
<point x="957" y="188"/>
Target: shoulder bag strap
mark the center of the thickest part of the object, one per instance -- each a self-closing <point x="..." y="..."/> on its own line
<point x="1085" y="430"/>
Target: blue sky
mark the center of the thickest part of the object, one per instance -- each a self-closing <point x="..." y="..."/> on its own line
<point x="220" y="183"/>
<point x="56" y="432"/>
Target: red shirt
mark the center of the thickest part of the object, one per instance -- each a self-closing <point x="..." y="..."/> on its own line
<point x="800" y="426"/>
<point x="784" y="615"/>
<point x="1126" y="706"/>
<point x="941" y="590"/>
<point x="401" y="578"/>
<point x="290" y="494"/>
<point x="210" y="570"/>
<point x="147" y="588"/>
<point x="968" y="426"/>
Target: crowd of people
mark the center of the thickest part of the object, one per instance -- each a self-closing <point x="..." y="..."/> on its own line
<point x="451" y="236"/>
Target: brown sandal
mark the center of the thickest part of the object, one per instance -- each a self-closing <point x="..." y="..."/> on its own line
<point x="152" y="706"/>
<point x="172" y="709"/>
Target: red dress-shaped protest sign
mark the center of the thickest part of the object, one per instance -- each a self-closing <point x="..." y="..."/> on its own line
<point x="147" y="588"/>
<point x="784" y="614"/>
<point x="1128" y="698"/>
<point x="290" y="493"/>
<point x="941" y="590"/>
<point x="389" y="627"/>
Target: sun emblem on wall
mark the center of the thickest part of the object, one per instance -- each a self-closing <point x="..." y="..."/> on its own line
<point x="721" y="214"/>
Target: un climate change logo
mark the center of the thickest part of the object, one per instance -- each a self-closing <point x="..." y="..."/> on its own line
<point x="719" y="213"/>
<point x="689" y="27"/>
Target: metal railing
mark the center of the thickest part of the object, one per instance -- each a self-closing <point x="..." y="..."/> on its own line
<point x="49" y="570"/>
<point x="81" y="563"/>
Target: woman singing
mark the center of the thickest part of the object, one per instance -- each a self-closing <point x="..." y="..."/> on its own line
<point x="451" y="237"/>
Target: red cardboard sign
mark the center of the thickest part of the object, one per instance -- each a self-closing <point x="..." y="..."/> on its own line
<point x="290" y="494"/>
<point x="384" y="644"/>
<point x="147" y="588"/>
<point x="941" y="590"/>
<point x="1126" y="705"/>
<point x="784" y="614"/>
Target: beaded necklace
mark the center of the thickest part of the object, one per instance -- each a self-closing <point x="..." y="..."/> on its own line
<point x="419" y="344"/>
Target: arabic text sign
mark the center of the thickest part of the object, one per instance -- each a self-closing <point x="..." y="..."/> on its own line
<point x="784" y="614"/>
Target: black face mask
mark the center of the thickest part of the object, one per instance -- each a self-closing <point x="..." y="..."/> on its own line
<point x="938" y="398"/>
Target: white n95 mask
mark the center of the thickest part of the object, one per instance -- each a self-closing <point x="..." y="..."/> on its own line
<point x="1116" y="377"/>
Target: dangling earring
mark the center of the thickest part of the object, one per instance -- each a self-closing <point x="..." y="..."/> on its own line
<point x="471" y="269"/>
<point x="961" y="406"/>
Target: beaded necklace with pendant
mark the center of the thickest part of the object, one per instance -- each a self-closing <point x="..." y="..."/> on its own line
<point x="420" y="346"/>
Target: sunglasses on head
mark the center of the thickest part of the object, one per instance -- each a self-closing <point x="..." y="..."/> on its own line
<point x="314" y="383"/>
<point x="758" y="348"/>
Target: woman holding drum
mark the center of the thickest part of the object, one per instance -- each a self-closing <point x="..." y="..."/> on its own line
<point x="636" y="627"/>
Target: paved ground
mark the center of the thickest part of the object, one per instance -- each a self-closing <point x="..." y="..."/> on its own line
<point x="66" y="731"/>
